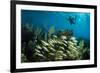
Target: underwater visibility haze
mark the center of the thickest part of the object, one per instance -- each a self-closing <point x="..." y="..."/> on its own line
<point x="54" y="36"/>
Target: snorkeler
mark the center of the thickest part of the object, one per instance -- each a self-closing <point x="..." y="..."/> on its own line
<point x="72" y="19"/>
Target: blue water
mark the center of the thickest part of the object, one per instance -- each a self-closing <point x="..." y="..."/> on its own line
<point x="47" y="19"/>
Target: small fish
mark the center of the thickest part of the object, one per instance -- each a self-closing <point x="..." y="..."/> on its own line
<point x="59" y="42"/>
<point x="38" y="47"/>
<point x="71" y="43"/>
<point x="64" y="55"/>
<point x="71" y="47"/>
<point x="61" y="48"/>
<point x="52" y="49"/>
<point x="36" y="50"/>
<point x="40" y="55"/>
<point x="64" y="44"/>
<point x="44" y="43"/>
<point x="50" y="42"/>
<point x="54" y="36"/>
<point x="51" y="54"/>
<point x="45" y="48"/>
<point x="63" y="37"/>
<point x="65" y="41"/>
<point x="73" y="39"/>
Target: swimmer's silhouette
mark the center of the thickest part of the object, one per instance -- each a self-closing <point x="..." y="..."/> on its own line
<point x="71" y="19"/>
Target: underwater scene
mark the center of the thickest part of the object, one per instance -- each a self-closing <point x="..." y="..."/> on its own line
<point x="54" y="36"/>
